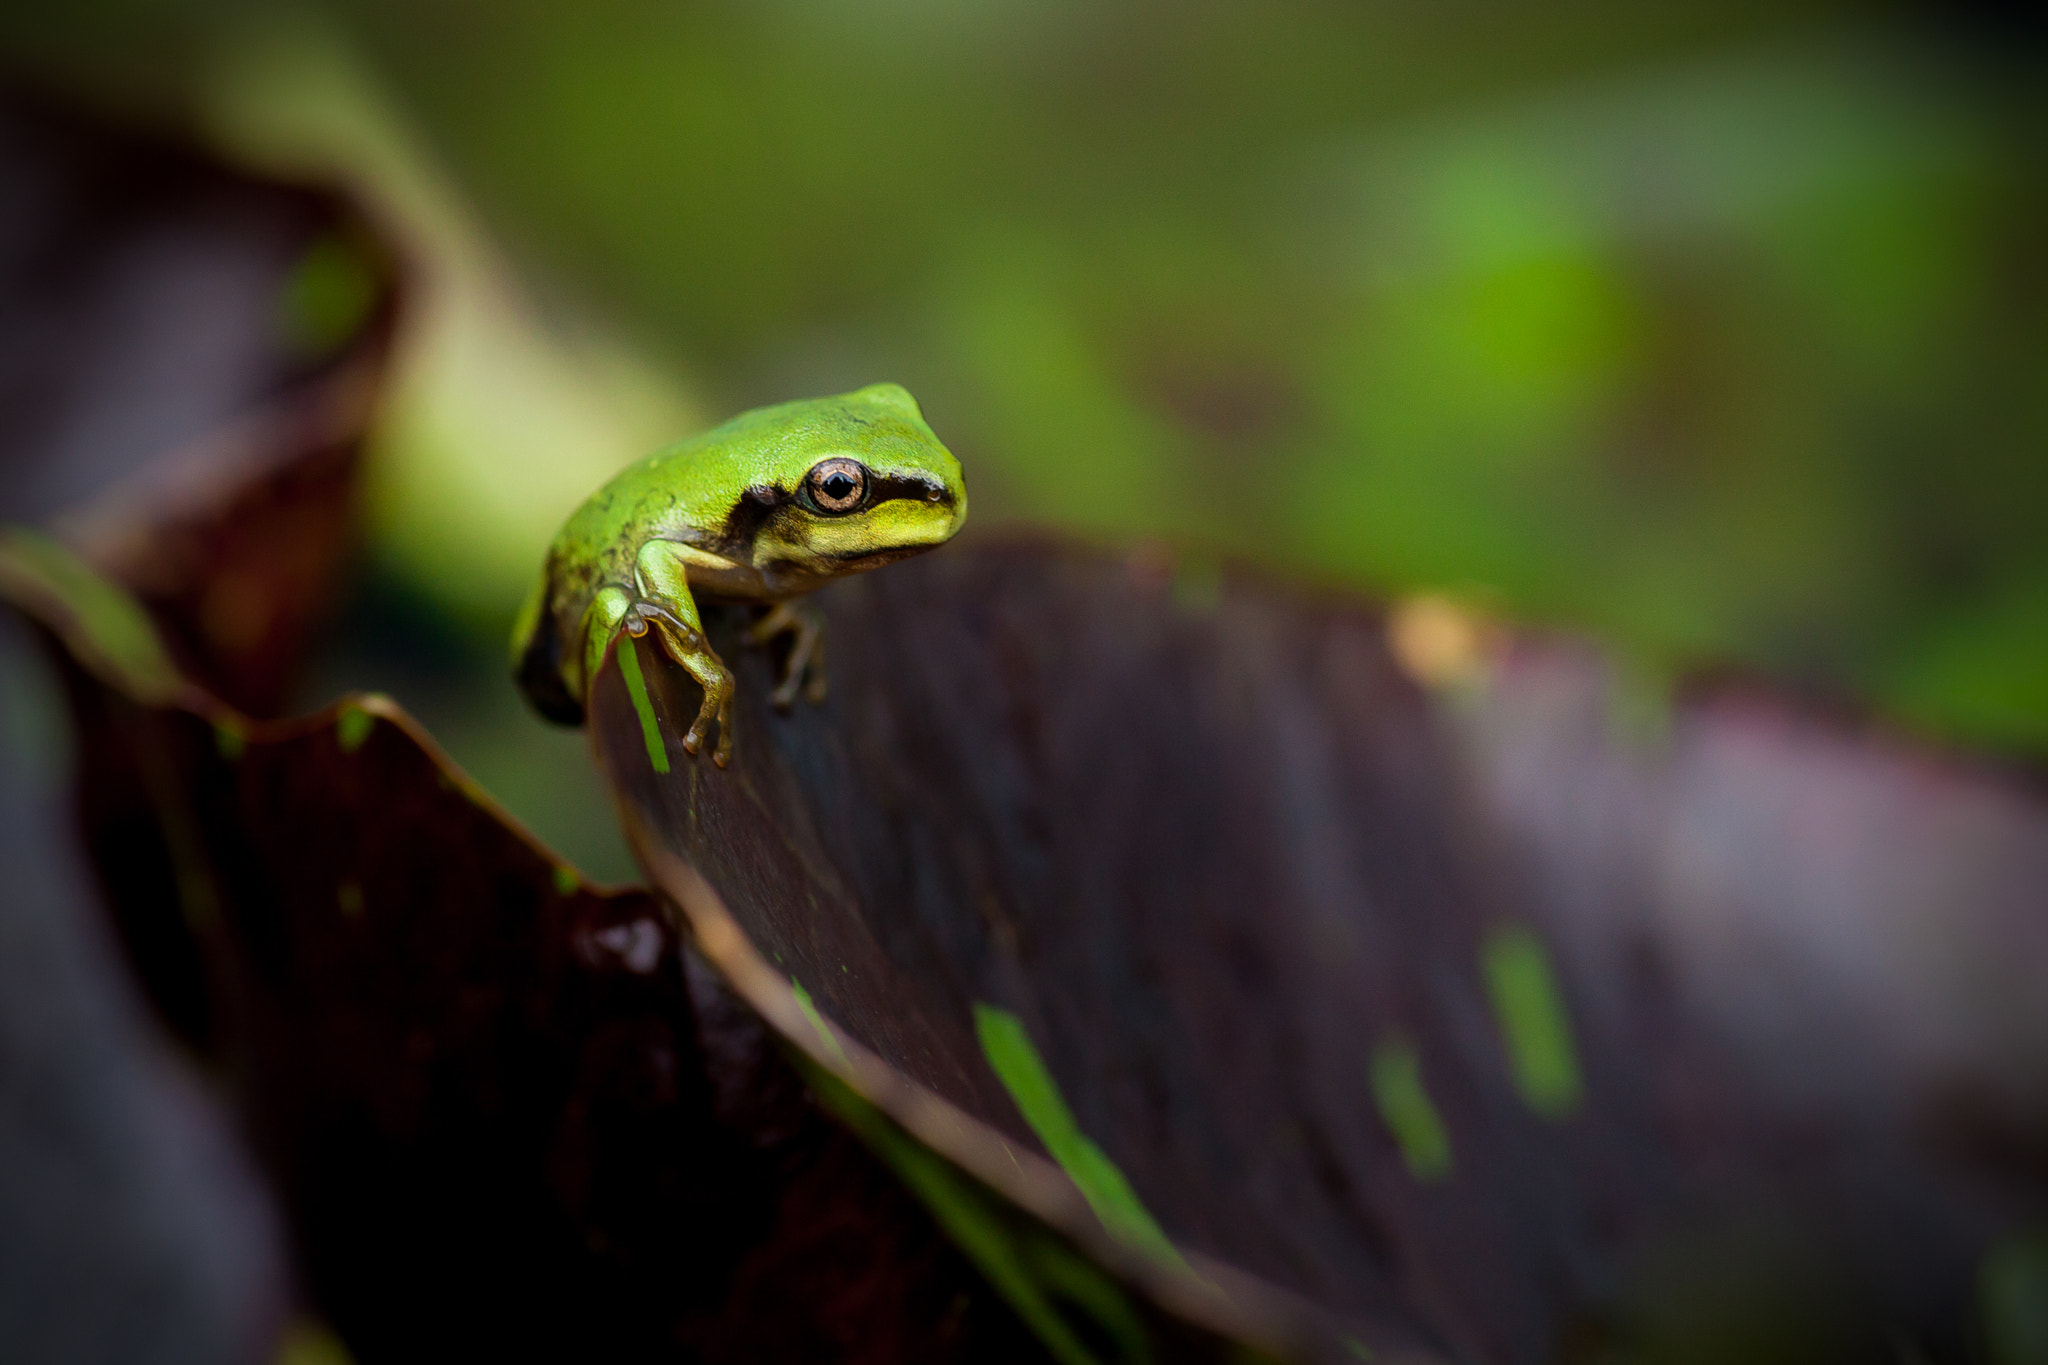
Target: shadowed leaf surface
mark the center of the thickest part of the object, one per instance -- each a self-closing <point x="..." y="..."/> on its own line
<point x="1489" y="1018"/>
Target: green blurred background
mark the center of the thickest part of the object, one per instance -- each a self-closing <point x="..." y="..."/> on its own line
<point x="1714" y="329"/>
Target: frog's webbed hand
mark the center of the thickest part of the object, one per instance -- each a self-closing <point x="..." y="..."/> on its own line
<point x="806" y="651"/>
<point x="666" y="604"/>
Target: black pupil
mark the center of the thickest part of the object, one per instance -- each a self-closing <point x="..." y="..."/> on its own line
<point x="839" y="485"/>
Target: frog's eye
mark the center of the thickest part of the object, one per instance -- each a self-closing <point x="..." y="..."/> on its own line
<point x="837" y="486"/>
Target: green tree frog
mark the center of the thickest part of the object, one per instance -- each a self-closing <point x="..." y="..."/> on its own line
<point x="776" y="502"/>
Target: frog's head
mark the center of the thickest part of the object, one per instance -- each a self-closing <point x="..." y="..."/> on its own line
<point x="839" y="485"/>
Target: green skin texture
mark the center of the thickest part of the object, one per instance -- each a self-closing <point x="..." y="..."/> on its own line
<point x="737" y="514"/>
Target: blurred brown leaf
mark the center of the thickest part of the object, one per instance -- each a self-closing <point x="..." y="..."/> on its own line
<point x="187" y="361"/>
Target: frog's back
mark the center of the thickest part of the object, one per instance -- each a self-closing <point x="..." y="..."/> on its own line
<point x="687" y="491"/>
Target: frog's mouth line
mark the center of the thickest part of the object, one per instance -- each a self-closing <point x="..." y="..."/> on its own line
<point x="785" y="578"/>
<point x="860" y="561"/>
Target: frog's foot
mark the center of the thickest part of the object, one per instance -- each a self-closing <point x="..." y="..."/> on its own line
<point x="688" y="647"/>
<point x="806" y="651"/>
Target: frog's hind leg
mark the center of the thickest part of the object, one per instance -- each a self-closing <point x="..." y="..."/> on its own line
<point x="665" y="601"/>
<point x="690" y="649"/>
<point x="806" y="650"/>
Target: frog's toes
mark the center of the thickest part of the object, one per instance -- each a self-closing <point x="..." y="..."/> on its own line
<point x="806" y="627"/>
<point x="769" y="624"/>
<point x="723" y="712"/>
<point x="814" y="690"/>
<point x="689" y="649"/>
<point x="715" y="709"/>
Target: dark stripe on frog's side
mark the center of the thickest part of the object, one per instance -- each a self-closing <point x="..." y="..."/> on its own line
<point x="755" y="506"/>
<point x="889" y="486"/>
<point x="759" y="504"/>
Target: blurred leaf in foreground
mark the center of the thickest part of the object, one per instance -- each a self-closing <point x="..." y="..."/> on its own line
<point x="506" y="1110"/>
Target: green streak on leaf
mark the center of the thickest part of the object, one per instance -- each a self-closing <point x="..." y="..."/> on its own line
<point x="1080" y="1281"/>
<point x="352" y="727"/>
<point x="328" y="295"/>
<point x="650" y="727"/>
<point x="229" y="741"/>
<point x="1406" y="1108"/>
<point x="1014" y="1260"/>
<point x="105" y="627"/>
<point x="348" y="897"/>
<point x="565" y="880"/>
<point x="1529" y="1009"/>
<point x="817" y="1021"/>
<point x="1357" y="1349"/>
<point x="2012" y="1298"/>
<point x="1037" y="1096"/>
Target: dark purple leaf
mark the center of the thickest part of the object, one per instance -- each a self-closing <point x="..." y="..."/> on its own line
<point x="1479" y="1018"/>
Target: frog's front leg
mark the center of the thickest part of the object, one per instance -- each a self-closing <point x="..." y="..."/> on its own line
<point x="665" y="601"/>
<point x="806" y="651"/>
